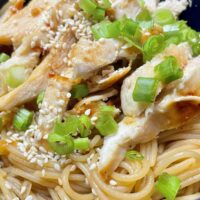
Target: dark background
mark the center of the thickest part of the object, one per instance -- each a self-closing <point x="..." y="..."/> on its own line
<point x="192" y="15"/>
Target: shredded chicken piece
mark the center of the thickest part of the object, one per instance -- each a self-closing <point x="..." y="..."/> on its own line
<point x="131" y="108"/>
<point x="174" y="108"/>
<point x="54" y="103"/>
<point x="39" y="77"/>
<point x="88" y="56"/>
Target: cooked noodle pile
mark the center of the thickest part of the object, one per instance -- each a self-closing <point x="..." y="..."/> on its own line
<point x="53" y="44"/>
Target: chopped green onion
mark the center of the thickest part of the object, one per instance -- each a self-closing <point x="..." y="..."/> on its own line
<point x="81" y="144"/>
<point x="16" y="76"/>
<point x="108" y="109"/>
<point x="196" y="49"/>
<point x="86" y="127"/>
<point x="168" y="186"/>
<point x="163" y="17"/>
<point x="71" y="125"/>
<point x="106" y="124"/>
<point x="61" y="144"/>
<point x="79" y="91"/>
<point x="99" y="14"/>
<point x="40" y="97"/>
<point x="145" y="19"/>
<point x="168" y="70"/>
<point x="88" y="6"/>
<point x="4" y="57"/>
<point x="153" y="46"/>
<point x="106" y="29"/>
<point x="134" y="155"/>
<point x="145" y="90"/>
<point x="22" y="119"/>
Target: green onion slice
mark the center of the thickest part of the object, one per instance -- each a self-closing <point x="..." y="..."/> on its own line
<point x="153" y="46"/>
<point x="82" y="144"/>
<point x="106" y="29"/>
<point x="79" y="91"/>
<point x="4" y="57"/>
<point x="61" y="144"/>
<point x="86" y="126"/>
<point x="168" y="186"/>
<point x="145" y="20"/>
<point x="22" y="119"/>
<point x="106" y="124"/>
<point x="134" y="155"/>
<point x="106" y="4"/>
<point x="99" y="14"/>
<point x="168" y="70"/>
<point x="145" y="90"/>
<point x="16" y="76"/>
<point x="163" y="17"/>
<point x="108" y="109"/>
<point x="40" y="97"/>
<point x="88" y="6"/>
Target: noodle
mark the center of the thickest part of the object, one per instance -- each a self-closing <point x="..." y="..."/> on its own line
<point x="57" y="50"/>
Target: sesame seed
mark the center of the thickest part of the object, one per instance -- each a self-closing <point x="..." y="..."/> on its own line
<point x="69" y="95"/>
<point x="94" y="192"/>
<point x="92" y="166"/>
<point x="113" y="182"/>
<point x="43" y="172"/>
<point x="87" y="112"/>
<point x="23" y="189"/>
<point x="57" y="167"/>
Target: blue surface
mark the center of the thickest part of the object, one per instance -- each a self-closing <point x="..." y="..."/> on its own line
<point x="192" y="14"/>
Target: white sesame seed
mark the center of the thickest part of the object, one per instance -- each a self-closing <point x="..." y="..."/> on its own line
<point x="87" y="112"/>
<point x="69" y="95"/>
<point x="23" y="189"/>
<point x="57" y="167"/>
<point x="92" y="166"/>
<point x="94" y="192"/>
<point x="94" y="118"/>
<point x="113" y="182"/>
<point x="43" y="172"/>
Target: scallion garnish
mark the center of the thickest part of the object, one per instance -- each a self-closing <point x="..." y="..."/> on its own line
<point x="16" y="76"/>
<point x="108" y="109"/>
<point x="168" y="186"/>
<point x="88" y="6"/>
<point x="145" y="90"/>
<point x="163" y="17"/>
<point x="79" y="91"/>
<point x="134" y="155"/>
<point x="40" y="97"/>
<point x="168" y="70"/>
<point x="22" y="119"/>
<point x="82" y="144"/>
<point x="86" y="126"/>
<point x="145" y="20"/>
<point x="106" y="4"/>
<point x="106" y="124"/>
<point x="153" y="46"/>
<point x="4" y="57"/>
<point x="61" y="144"/>
<point x="99" y="14"/>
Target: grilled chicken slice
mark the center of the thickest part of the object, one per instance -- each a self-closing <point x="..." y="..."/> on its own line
<point x="88" y="56"/>
<point x="39" y="77"/>
<point x="174" y="108"/>
<point x="54" y="103"/>
<point x="133" y="109"/>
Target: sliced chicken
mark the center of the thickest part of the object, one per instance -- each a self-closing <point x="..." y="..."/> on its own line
<point x="39" y="78"/>
<point x="108" y="78"/>
<point x="88" y="56"/>
<point x="54" y="103"/>
<point x="23" y="56"/>
<point x="174" y="108"/>
<point x="133" y="109"/>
